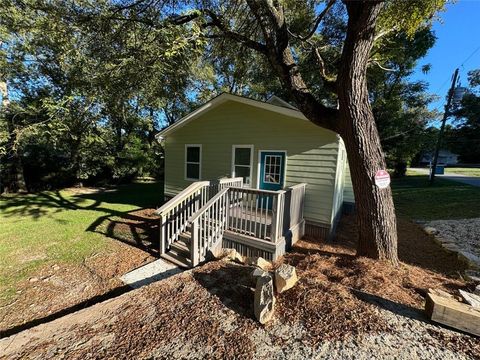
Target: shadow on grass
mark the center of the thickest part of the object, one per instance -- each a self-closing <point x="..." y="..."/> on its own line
<point x="135" y="228"/>
<point x="415" y="198"/>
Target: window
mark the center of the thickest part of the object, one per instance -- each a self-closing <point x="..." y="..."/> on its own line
<point x="273" y="169"/>
<point x="242" y="162"/>
<point x="193" y="159"/>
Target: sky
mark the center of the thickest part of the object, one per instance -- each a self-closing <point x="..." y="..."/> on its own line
<point x="457" y="45"/>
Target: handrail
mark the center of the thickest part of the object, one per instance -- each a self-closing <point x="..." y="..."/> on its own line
<point x="208" y="226"/>
<point x="228" y="180"/>
<point x="208" y="205"/>
<point x="258" y="191"/>
<point x="181" y="196"/>
<point x="296" y="204"/>
<point x="296" y="186"/>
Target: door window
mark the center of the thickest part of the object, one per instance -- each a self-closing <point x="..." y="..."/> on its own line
<point x="272" y="169"/>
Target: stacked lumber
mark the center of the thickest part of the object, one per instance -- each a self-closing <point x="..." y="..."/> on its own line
<point x="445" y="309"/>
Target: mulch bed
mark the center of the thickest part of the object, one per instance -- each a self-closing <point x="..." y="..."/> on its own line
<point x="338" y="296"/>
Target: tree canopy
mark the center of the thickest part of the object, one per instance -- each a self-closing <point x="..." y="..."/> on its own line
<point x="91" y="82"/>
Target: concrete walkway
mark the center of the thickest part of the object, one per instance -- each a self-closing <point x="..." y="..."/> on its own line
<point x="154" y="271"/>
<point x="470" y="180"/>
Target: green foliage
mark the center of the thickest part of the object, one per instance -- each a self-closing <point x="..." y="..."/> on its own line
<point x="464" y="137"/>
<point x="409" y="16"/>
<point x="96" y="80"/>
<point x="95" y="84"/>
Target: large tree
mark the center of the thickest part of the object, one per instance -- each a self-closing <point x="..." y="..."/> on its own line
<point x="296" y="39"/>
<point x="272" y="29"/>
<point x="319" y="51"/>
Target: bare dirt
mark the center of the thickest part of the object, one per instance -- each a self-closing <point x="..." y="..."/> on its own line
<point x="342" y="307"/>
<point x="57" y="289"/>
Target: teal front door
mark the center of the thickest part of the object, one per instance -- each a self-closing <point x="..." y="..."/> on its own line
<point x="272" y="170"/>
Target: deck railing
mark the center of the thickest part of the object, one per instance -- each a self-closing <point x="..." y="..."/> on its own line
<point x="217" y="185"/>
<point x="256" y="213"/>
<point x="207" y="210"/>
<point x="297" y="201"/>
<point x="208" y="226"/>
<point x="176" y="213"/>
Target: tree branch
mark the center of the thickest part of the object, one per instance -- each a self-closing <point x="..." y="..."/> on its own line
<point x="227" y="33"/>
<point x="318" y="20"/>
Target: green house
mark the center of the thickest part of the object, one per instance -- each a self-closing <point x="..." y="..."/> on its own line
<point x="271" y="148"/>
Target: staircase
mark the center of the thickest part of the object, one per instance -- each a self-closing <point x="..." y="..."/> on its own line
<point x="192" y="223"/>
<point x="179" y="253"/>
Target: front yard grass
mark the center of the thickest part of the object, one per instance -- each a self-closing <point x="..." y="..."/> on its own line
<point x="416" y="199"/>
<point x="56" y="227"/>
<point x="463" y="171"/>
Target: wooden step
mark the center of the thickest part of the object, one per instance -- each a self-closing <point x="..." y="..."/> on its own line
<point x="185" y="237"/>
<point x="176" y="259"/>
<point x="180" y="248"/>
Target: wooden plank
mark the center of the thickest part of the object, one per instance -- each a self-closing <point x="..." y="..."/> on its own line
<point x="453" y="313"/>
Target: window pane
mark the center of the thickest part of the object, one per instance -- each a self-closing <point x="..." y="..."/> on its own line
<point x="242" y="156"/>
<point x="193" y="171"/>
<point x="272" y="169"/>
<point x="244" y="172"/>
<point x="193" y="154"/>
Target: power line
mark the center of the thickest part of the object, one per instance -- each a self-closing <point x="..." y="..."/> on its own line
<point x="470" y="56"/>
<point x="461" y="65"/>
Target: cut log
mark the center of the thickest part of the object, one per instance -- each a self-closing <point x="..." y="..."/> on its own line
<point x="470" y="299"/>
<point x="453" y="313"/>
<point x="441" y="293"/>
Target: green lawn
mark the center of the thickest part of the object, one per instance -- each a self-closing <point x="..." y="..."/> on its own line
<point x="463" y="171"/>
<point x="416" y="199"/>
<point x="54" y="227"/>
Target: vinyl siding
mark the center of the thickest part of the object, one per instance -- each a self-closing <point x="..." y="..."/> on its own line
<point x="339" y="182"/>
<point x="348" y="195"/>
<point x="311" y="151"/>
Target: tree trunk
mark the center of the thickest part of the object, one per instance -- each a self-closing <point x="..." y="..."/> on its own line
<point x="353" y="120"/>
<point x="374" y="206"/>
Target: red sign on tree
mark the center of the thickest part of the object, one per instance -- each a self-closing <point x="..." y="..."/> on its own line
<point x="382" y="179"/>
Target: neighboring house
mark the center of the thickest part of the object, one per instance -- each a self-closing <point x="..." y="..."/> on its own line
<point x="445" y="157"/>
<point x="271" y="146"/>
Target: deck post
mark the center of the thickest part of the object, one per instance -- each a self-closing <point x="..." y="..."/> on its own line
<point x="162" y="226"/>
<point x="275" y="217"/>
<point x="194" y="256"/>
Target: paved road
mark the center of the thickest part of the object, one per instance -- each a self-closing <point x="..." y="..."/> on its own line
<point x="470" y="180"/>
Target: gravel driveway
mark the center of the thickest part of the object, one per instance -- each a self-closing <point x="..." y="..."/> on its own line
<point x="464" y="233"/>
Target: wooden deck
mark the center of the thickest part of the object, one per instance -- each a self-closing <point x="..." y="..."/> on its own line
<point x="226" y="215"/>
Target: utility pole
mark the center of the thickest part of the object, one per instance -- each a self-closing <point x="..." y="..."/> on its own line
<point x="442" y="128"/>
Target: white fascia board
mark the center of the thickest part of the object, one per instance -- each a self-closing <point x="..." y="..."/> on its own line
<point x="229" y="97"/>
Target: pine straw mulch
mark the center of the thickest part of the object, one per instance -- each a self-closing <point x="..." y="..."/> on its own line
<point x="190" y="313"/>
<point x="338" y="294"/>
<point x="210" y="310"/>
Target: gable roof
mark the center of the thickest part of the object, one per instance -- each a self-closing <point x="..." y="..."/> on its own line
<point x="288" y="110"/>
<point x="275" y="100"/>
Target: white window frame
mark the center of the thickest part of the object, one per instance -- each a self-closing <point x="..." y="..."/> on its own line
<point x="199" y="163"/>
<point x="259" y="170"/>
<point x="251" y="161"/>
<point x="280" y="173"/>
